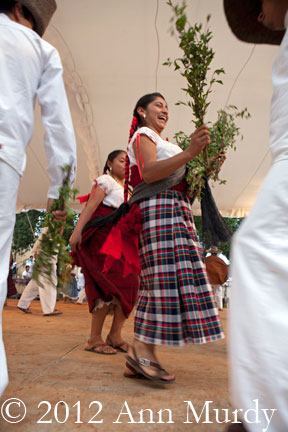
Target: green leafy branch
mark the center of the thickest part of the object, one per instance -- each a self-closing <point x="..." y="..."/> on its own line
<point x="52" y="242"/>
<point x="223" y="134"/>
<point x="195" y="67"/>
<point x="195" y="63"/>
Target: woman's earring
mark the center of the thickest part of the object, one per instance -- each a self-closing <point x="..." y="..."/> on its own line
<point x="144" y="115"/>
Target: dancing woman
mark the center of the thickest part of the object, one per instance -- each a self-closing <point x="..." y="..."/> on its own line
<point x="106" y="291"/>
<point x="176" y="304"/>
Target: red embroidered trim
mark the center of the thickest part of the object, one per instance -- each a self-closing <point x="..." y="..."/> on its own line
<point x="138" y="152"/>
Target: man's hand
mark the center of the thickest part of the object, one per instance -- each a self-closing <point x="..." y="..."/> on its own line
<point x="58" y="214"/>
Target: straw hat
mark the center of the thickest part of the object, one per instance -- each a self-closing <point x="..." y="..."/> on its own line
<point x="214" y="249"/>
<point x="42" y="11"/>
<point x="242" y="19"/>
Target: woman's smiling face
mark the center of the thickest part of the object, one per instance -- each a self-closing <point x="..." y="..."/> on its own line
<point x="155" y="116"/>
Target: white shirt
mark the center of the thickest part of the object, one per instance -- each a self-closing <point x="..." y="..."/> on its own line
<point x="164" y="149"/>
<point x="26" y="275"/>
<point x="30" y="264"/>
<point x="81" y="281"/>
<point x="37" y="245"/>
<point x="279" y="105"/>
<point x="30" y="67"/>
<point x="221" y="256"/>
<point x="114" y="192"/>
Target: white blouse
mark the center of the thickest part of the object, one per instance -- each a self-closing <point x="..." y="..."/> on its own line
<point x="114" y="192"/>
<point x="164" y="149"/>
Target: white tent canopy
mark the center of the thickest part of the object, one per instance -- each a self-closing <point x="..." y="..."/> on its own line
<point x="112" y="54"/>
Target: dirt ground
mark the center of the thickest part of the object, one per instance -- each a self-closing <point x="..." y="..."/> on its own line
<point x="66" y="388"/>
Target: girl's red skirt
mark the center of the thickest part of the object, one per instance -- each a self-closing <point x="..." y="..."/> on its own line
<point x="100" y="284"/>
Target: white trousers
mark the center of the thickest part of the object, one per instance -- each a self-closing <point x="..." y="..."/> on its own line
<point x="82" y="295"/>
<point x="47" y="294"/>
<point x="217" y="289"/>
<point x="9" y="182"/>
<point x="258" y="319"/>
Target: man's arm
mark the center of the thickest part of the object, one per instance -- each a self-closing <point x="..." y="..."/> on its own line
<point x="60" y="143"/>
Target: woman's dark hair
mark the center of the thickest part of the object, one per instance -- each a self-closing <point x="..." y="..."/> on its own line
<point x="111" y="158"/>
<point x="143" y="102"/>
<point x="7" y="6"/>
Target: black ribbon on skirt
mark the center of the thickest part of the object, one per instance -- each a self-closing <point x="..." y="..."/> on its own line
<point x="109" y="219"/>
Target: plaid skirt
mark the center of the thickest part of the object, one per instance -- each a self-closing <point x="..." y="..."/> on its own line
<point x="176" y="304"/>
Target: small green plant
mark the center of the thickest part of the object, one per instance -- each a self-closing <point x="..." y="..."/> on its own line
<point x="223" y="134"/>
<point x="195" y="67"/>
<point x="53" y="242"/>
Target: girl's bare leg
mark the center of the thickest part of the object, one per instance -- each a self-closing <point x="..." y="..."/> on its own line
<point x="115" y="338"/>
<point x="95" y="340"/>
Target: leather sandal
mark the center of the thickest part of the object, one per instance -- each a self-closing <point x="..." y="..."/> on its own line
<point x="134" y="374"/>
<point x="25" y="310"/>
<point x="122" y="347"/>
<point x="101" y="348"/>
<point x="138" y="363"/>
<point x="55" y="312"/>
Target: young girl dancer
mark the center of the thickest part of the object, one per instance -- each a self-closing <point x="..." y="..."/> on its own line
<point x="106" y="291"/>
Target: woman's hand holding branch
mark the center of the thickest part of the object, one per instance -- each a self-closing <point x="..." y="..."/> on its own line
<point x="199" y="140"/>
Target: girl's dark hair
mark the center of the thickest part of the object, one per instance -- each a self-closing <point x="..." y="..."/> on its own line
<point x="111" y="158"/>
<point x="7" y="6"/>
<point x="143" y="102"/>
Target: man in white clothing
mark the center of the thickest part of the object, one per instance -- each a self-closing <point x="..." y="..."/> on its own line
<point x="30" y="68"/>
<point x="30" y="262"/>
<point x="258" y="323"/>
<point x="27" y="274"/>
<point x="81" y="287"/>
<point x="47" y="293"/>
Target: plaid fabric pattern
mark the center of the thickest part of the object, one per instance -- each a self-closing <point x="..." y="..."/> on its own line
<point x="176" y="304"/>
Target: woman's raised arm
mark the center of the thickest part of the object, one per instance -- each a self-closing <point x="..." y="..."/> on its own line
<point x="153" y="170"/>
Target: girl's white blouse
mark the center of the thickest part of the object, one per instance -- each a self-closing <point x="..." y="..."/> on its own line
<point x="114" y="192"/>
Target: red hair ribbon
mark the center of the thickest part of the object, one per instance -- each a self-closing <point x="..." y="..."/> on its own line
<point x="134" y="122"/>
<point x="133" y="127"/>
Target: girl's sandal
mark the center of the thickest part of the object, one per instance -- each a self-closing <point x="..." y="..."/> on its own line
<point x="122" y="347"/>
<point x="102" y="348"/>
